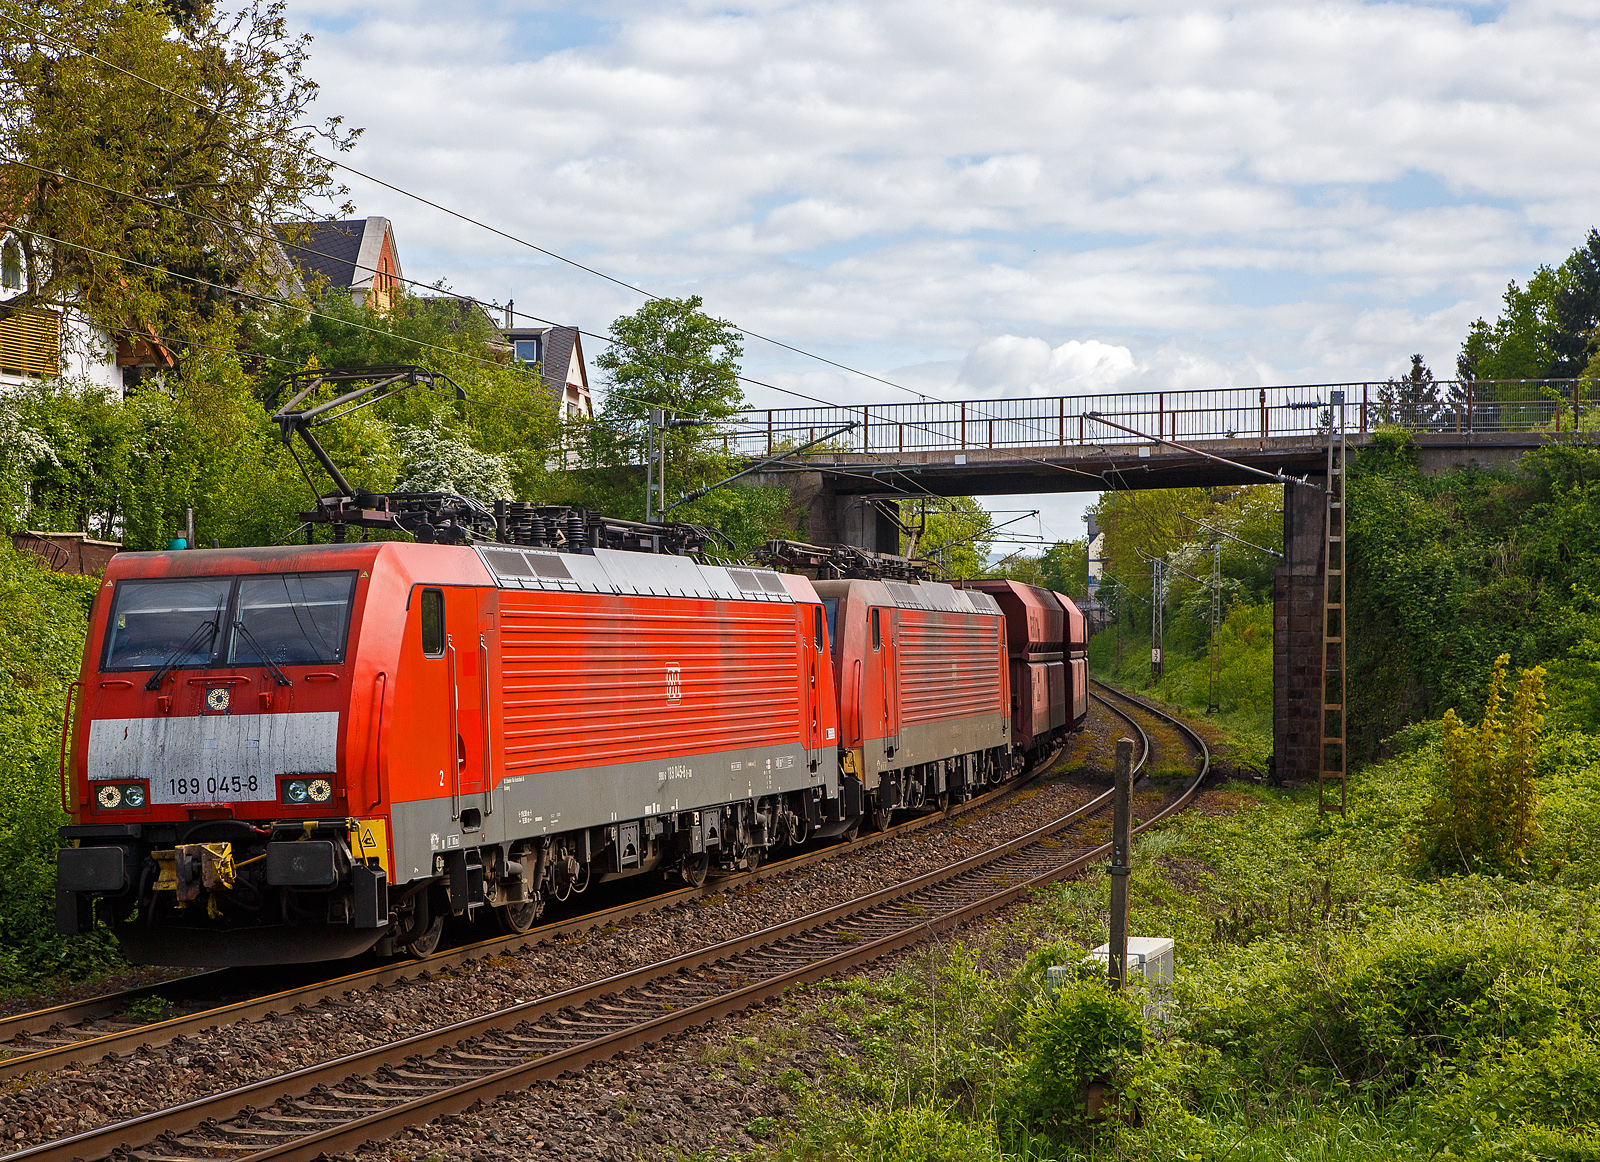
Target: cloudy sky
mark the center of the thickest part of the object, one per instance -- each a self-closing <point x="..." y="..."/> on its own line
<point x="979" y="200"/>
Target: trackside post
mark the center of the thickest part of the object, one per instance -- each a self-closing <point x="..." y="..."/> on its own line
<point x="1121" y="828"/>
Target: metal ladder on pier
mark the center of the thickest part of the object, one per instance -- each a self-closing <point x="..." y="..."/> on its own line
<point x="1331" y="765"/>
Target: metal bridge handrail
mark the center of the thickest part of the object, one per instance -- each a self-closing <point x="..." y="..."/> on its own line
<point x="1229" y="413"/>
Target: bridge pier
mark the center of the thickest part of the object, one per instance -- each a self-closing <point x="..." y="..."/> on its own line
<point x="842" y="518"/>
<point x="1297" y="635"/>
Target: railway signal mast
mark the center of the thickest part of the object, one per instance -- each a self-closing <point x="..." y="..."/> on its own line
<point x="1156" y="602"/>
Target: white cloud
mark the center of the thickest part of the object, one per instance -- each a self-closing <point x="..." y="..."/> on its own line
<point x="1049" y="197"/>
<point x="1013" y="365"/>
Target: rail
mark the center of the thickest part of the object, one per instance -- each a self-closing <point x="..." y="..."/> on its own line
<point x="58" y="1023"/>
<point x="373" y="1093"/>
<point x="1232" y="413"/>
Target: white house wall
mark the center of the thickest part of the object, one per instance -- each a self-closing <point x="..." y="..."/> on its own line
<point x="88" y="354"/>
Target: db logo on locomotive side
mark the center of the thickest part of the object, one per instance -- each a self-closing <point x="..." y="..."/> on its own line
<point x="674" y="682"/>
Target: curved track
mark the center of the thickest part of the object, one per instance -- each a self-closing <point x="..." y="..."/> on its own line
<point x="340" y="1104"/>
<point x="1143" y="739"/>
<point x="85" y="1031"/>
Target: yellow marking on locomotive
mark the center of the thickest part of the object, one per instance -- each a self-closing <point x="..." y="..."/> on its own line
<point x="369" y="839"/>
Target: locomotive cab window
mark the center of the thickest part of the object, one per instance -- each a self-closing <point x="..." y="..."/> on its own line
<point x="157" y="622"/>
<point x="433" y="623"/>
<point x="283" y="619"/>
<point x="877" y="637"/>
<point x="831" y="604"/>
<point x="292" y="619"/>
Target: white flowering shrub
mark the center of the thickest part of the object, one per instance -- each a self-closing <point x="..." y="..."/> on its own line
<point x="433" y="462"/>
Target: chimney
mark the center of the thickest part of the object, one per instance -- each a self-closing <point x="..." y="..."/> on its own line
<point x="510" y="313"/>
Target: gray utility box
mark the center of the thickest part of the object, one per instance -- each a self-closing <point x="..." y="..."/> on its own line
<point x="1148" y="956"/>
<point x="1149" y="959"/>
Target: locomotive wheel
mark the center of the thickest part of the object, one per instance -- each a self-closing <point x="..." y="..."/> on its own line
<point x="881" y="817"/>
<point x="943" y="801"/>
<point x="753" y="857"/>
<point x="515" y="919"/>
<point x="693" y="869"/>
<point x="423" y="946"/>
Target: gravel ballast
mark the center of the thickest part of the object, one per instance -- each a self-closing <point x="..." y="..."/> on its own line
<point x="43" y="1107"/>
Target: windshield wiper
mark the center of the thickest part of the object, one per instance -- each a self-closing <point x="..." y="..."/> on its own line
<point x="278" y="675"/>
<point x="189" y="645"/>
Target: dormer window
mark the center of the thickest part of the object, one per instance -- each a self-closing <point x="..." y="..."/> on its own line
<point x="11" y="275"/>
<point x="527" y="350"/>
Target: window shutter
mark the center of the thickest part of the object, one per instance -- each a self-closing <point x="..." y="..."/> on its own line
<point x="30" y="343"/>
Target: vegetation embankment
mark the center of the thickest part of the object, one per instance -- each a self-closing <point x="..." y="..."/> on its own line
<point x="42" y="618"/>
<point x="1417" y="980"/>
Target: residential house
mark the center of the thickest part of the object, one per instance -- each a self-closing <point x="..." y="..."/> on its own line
<point x="43" y="342"/>
<point x="558" y="352"/>
<point x="358" y="255"/>
<point x="1097" y="554"/>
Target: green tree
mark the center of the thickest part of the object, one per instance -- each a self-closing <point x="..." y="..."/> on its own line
<point x="1546" y="330"/>
<point x="1411" y="400"/>
<point x="670" y="354"/>
<point x="955" y="532"/>
<point x="1066" y="567"/>
<point x="509" y="413"/>
<point x="165" y="188"/>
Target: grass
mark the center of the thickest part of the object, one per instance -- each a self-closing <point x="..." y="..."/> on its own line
<point x="1332" y="1001"/>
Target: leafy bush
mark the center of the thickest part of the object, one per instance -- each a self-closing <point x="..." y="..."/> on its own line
<point x="1484" y="815"/>
<point x="1082" y="1032"/>
<point x="42" y="624"/>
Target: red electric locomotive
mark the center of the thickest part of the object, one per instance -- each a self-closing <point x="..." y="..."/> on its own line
<point x="923" y="693"/>
<point x="298" y="753"/>
<point x="291" y="754"/>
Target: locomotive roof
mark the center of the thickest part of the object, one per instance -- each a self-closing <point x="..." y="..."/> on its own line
<point x="646" y="574"/>
<point x="933" y="595"/>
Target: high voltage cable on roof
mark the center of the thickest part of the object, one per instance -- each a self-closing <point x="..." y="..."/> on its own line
<point x="199" y="104"/>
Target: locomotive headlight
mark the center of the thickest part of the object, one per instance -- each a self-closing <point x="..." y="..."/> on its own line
<point x="133" y="796"/>
<point x="109" y="796"/>
<point x="296" y="791"/>
<point x="320" y="790"/>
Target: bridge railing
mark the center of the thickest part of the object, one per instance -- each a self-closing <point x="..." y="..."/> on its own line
<point x="1238" y="413"/>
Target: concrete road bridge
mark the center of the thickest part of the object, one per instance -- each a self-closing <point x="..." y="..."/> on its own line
<point x="1101" y="442"/>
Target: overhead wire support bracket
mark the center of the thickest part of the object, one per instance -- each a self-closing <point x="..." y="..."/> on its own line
<point x="1276" y="477"/>
<point x="758" y="465"/>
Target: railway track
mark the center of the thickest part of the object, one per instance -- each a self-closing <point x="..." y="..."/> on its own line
<point x="338" y="1105"/>
<point x="86" y="1031"/>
